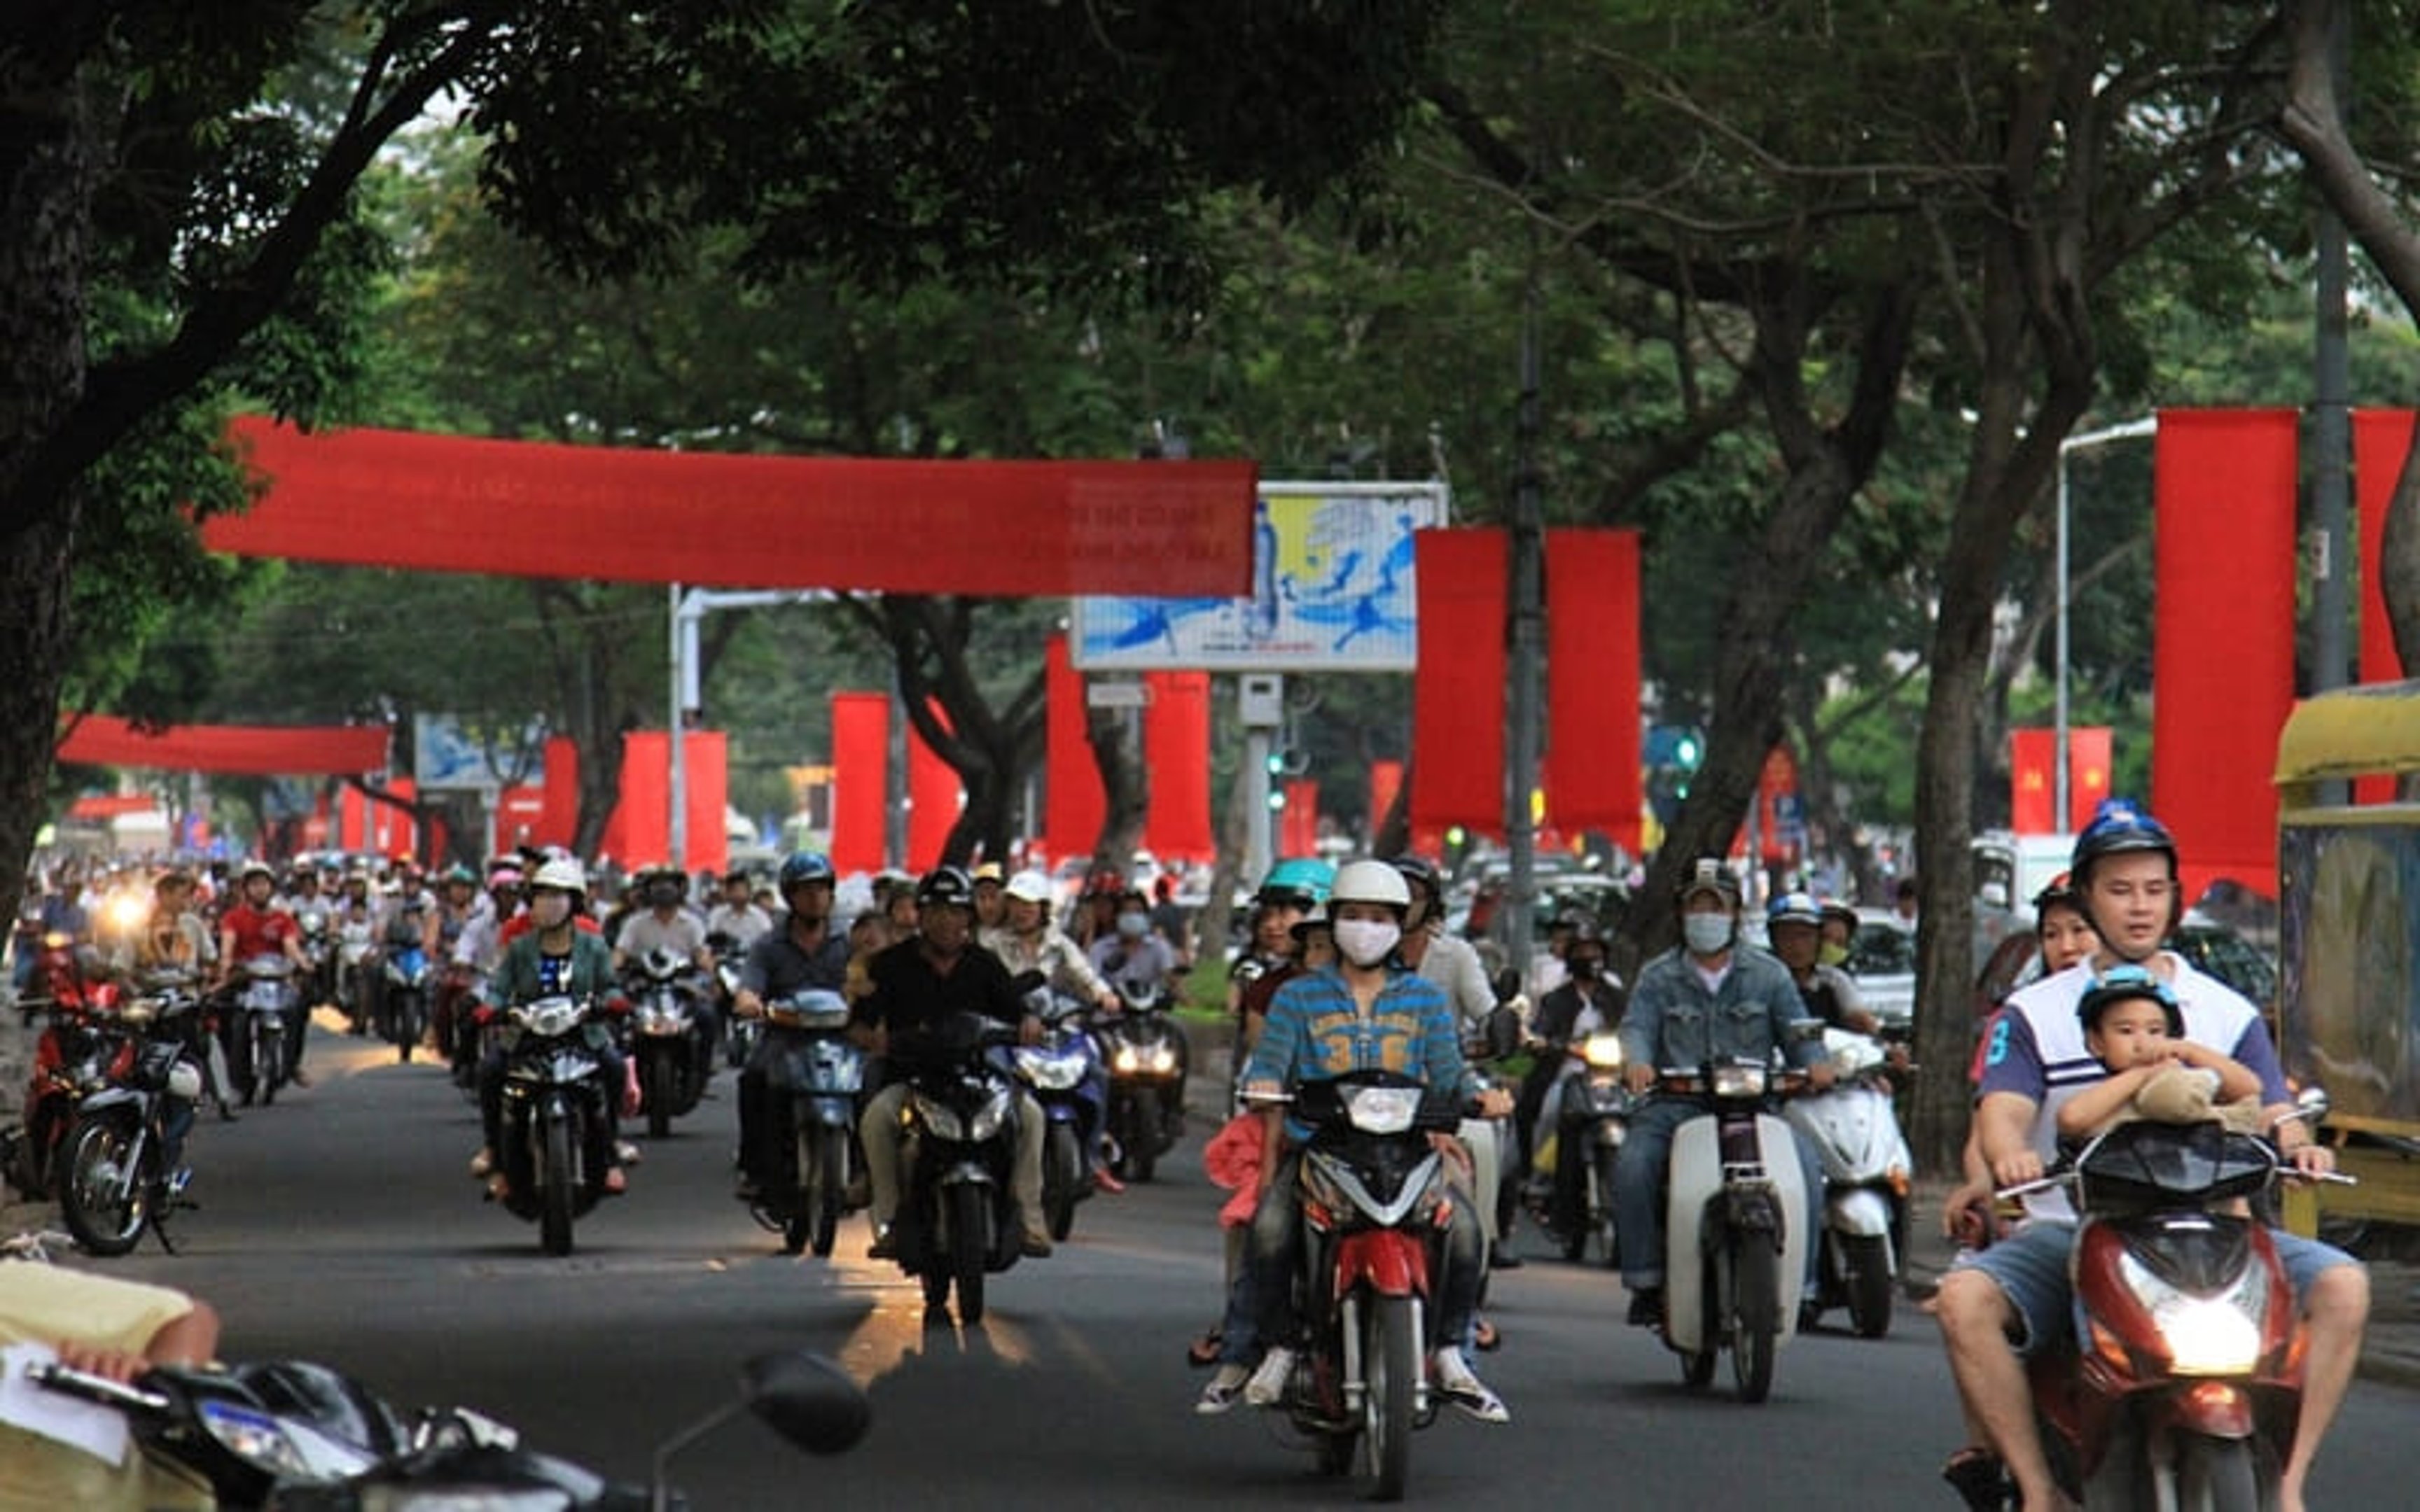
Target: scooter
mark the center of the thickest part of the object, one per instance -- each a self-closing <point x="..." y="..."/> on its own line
<point x="668" y="1038"/>
<point x="1735" y="1243"/>
<point x="811" y="1079"/>
<point x="556" y="1146"/>
<point x="1063" y="1074"/>
<point x="71" y="1060"/>
<point x="958" y="1219"/>
<point x="256" y="1030"/>
<point x="1148" y="1058"/>
<point x="1867" y="1165"/>
<point x="122" y="1171"/>
<point x="405" y="1003"/>
<point x="1590" y="1125"/>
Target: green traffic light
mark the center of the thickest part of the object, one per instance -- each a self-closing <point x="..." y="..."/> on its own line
<point x="1277" y="800"/>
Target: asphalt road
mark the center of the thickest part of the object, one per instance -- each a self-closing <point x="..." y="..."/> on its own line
<point x="341" y="1225"/>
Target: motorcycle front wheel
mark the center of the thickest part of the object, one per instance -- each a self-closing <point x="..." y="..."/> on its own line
<point x="662" y="1094"/>
<point x="1603" y="1217"/>
<point x="555" y="1188"/>
<point x="1756" y="1317"/>
<point x="2216" y="1476"/>
<point x="1063" y="1170"/>
<point x="1391" y="1369"/>
<point x="967" y="1250"/>
<point x="105" y="1183"/>
<point x="407" y="1023"/>
<point x="1867" y="1260"/>
<point x="268" y="1056"/>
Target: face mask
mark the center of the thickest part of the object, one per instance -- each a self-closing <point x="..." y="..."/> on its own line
<point x="1831" y="954"/>
<point x="1133" y="925"/>
<point x="551" y="910"/>
<point x="1366" y="942"/>
<point x="1706" y="934"/>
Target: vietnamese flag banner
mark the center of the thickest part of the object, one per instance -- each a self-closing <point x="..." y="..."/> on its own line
<point x="1176" y="753"/>
<point x="264" y="750"/>
<point x="454" y="504"/>
<point x="935" y="796"/>
<point x="1458" y="694"/>
<point x="2222" y="643"/>
<point x="2033" y="763"/>
<point x="860" y="800"/>
<point x="1074" y="804"/>
<point x="1593" y="775"/>
<point x="2087" y="773"/>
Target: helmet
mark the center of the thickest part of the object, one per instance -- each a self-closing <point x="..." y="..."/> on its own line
<point x="947" y="886"/>
<point x="1316" y="918"/>
<point x="503" y="876"/>
<point x="561" y="874"/>
<point x="2061" y="891"/>
<point x="1796" y="908"/>
<point x="802" y="867"/>
<point x="1709" y="874"/>
<point x="2121" y="982"/>
<point x="1585" y="931"/>
<point x="1370" y="882"/>
<point x="255" y="869"/>
<point x="2117" y="828"/>
<point x="458" y="872"/>
<point x="1300" y="882"/>
<point x="988" y="872"/>
<point x="1421" y="872"/>
<point x="1834" y="909"/>
<point x="1031" y="887"/>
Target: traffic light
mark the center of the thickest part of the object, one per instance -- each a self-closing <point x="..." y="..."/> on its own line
<point x="1277" y="800"/>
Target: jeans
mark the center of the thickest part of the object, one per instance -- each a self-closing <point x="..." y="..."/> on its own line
<point x="878" y="1129"/>
<point x="1638" y="1187"/>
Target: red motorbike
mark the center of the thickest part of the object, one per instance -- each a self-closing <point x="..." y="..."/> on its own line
<point x="74" y="1057"/>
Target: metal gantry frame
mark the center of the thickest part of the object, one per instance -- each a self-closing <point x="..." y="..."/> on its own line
<point x="688" y="607"/>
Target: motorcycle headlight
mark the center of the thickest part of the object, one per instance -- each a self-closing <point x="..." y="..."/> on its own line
<point x="991" y="1116"/>
<point x="1126" y="1060"/>
<point x="2205" y="1335"/>
<point x="462" y="1499"/>
<point x="1741" y="1081"/>
<point x="942" y="1118"/>
<point x="658" y="1018"/>
<point x="1601" y="1051"/>
<point x="253" y="1437"/>
<point x="1382" y="1110"/>
<point x="550" y="1016"/>
<point x="1051" y="1071"/>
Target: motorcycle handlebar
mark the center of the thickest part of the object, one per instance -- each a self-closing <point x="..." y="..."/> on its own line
<point x="92" y="1388"/>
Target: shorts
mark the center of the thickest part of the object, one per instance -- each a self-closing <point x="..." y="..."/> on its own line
<point x="2030" y="1269"/>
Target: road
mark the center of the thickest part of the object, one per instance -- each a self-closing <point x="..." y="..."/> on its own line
<point x="341" y="1225"/>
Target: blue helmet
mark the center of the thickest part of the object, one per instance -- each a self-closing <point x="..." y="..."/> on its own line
<point x="2121" y="982"/>
<point x="1796" y="908"/>
<point x="1299" y="881"/>
<point x="804" y="866"/>
<point x="2117" y="828"/>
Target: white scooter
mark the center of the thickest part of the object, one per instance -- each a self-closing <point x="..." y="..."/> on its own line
<point x="1735" y="1237"/>
<point x="1855" y="1130"/>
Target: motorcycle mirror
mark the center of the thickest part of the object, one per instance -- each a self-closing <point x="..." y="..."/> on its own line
<point x="2311" y="1105"/>
<point x="807" y="1400"/>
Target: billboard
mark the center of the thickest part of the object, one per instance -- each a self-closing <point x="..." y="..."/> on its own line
<point x="449" y="753"/>
<point x="1333" y="590"/>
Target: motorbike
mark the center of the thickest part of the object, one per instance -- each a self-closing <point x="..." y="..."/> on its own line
<point x="1734" y="1240"/>
<point x="555" y="1144"/>
<point x="740" y="1036"/>
<point x="813" y="1081"/>
<point x="303" y="1437"/>
<point x="1373" y="1260"/>
<point x="1576" y="1204"/>
<point x="122" y="1172"/>
<point x="71" y="1060"/>
<point x="958" y="1220"/>
<point x="254" y="1029"/>
<point x="2189" y="1395"/>
<point x="403" y="1004"/>
<point x="459" y="1034"/>
<point x="1062" y="1073"/>
<point x="668" y="1037"/>
<point x="319" y="950"/>
<point x="1148" y="1058"/>
<point x="1855" y="1129"/>
<point x="355" y="961"/>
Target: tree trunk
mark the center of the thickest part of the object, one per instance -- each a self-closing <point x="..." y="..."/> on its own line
<point x="1115" y="736"/>
<point x="34" y="575"/>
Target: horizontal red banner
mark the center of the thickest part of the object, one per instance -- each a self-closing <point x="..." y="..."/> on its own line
<point x="338" y="750"/>
<point x="451" y="504"/>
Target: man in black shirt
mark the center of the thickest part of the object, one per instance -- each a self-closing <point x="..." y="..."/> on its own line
<point x="919" y="985"/>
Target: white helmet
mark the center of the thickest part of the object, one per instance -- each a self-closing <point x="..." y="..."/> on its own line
<point x="1369" y="882"/>
<point x="1029" y="886"/>
<point x="562" y="874"/>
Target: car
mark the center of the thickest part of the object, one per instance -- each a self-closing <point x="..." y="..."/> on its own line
<point x="1882" y="961"/>
<point x="2210" y="947"/>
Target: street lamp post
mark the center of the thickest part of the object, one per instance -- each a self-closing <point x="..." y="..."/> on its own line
<point x="2082" y="441"/>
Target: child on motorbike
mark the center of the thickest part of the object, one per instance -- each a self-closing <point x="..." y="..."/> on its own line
<point x="2134" y="1027"/>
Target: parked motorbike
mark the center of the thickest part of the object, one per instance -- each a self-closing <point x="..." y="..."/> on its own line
<point x="403" y="1002"/>
<point x="254" y="1027"/>
<point x="958" y="1219"/>
<point x="1855" y="1129"/>
<point x="556" y="1146"/>
<point x="122" y="1170"/>
<point x="1734" y="1240"/>
<point x="71" y="1060"/>
<point x="668" y="1037"/>
<point x="1148" y="1059"/>
<point x="1590" y="1126"/>
<point x="1063" y="1074"/>
<point x="813" y="1081"/>
<point x="304" y="1438"/>
<point x="1373" y="1262"/>
<point x="2191" y="1394"/>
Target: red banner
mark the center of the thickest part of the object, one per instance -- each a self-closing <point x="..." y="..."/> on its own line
<point x="374" y="824"/>
<point x="2087" y="773"/>
<point x="2033" y="775"/>
<point x="1458" y="696"/>
<point x="1386" y="781"/>
<point x="935" y="796"/>
<point x="1176" y="751"/>
<point x="265" y="750"/>
<point x="2381" y="440"/>
<point x="1300" y="835"/>
<point x="638" y="831"/>
<point x="1074" y="805"/>
<point x="2223" y="647"/>
<point x="452" y="503"/>
<point x="560" y="823"/>
<point x="860" y="760"/>
<point x="1593" y="779"/>
<point x="521" y="820"/>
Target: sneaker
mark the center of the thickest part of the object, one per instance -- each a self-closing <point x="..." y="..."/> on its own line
<point x="885" y="1245"/>
<point x="1454" y="1380"/>
<point x="1268" y="1385"/>
<point x="617" y="1181"/>
<point x="1646" y="1306"/>
<point x="482" y="1164"/>
<point x="1225" y="1388"/>
<point x="1036" y="1245"/>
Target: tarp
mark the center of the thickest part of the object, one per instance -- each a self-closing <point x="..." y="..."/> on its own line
<point x="333" y="750"/>
<point x="451" y="504"/>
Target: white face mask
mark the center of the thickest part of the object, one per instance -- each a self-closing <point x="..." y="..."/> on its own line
<point x="1706" y="934"/>
<point x="1367" y="942"/>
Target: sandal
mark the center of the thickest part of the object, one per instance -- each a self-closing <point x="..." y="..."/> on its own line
<point x="1484" y="1336"/>
<point x="1203" y="1352"/>
<point x="1977" y="1474"/>
<point x="616" y="1182"/>
<point x="498" y="1189"/>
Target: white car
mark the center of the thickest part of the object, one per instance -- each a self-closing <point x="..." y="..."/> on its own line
<point x="1882" y="961"/>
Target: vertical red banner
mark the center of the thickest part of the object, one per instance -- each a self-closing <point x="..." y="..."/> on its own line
<point x="706" y="782"/>
<point x="638" y="833"/>
<point x="2381" y="440"/>
<point x="1301" y="837"/>
<point x="1176" y="751"/>
<point x="559" y="824"/>
<point x="861" y="759"/>
<point x="1593" y="779"/>
<point x="1074" y="805"/>
<point x="1779" y="829"/>
<point x="2033" y="765"/>
<point x="2087" y="773"/>
<point x="2222" y="643"/>
<point x="935" y="796"/>
<point x="1458" y="696"/>
<point x="1386" y="782"/>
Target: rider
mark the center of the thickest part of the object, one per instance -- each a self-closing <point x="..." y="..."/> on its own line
<point x="1706" y="1000"/>
<point x="555" y="956"/>
<point x="2124" y="871"/>
<point x="1027" y="941"/>
<point x="1795" y="925"/>
<point x="661" y="920"/>
<point x="1366" y="1012"/>
<point x="1292" y="890"/>
<point x="917" y="986"/>
<point x="255" y="927"/>
<point x="991" y="898"/>
<point x="1130" y="957"/>
<point x="1590" y="1000"/>
<point x="735" y="916"/>
<point x="804" y="953"/>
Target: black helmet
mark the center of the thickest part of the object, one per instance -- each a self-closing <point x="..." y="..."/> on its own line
<point x="2118" y="827"/>
<point x="1421" y="872"/>
<point x="2060" y="892"/>
<point x="802" y="867"/>
<point x="2121" y="982"/>
<point x="946" y="887"/>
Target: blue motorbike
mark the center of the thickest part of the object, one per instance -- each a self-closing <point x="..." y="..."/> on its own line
<point x="812" y="1082"/>
<point x="1069" y="1079"/>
